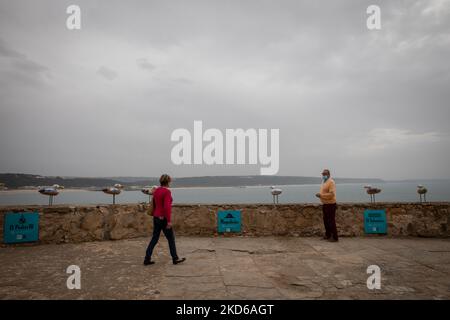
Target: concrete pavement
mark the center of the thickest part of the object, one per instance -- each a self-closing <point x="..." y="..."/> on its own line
<point x="231" y="268"/>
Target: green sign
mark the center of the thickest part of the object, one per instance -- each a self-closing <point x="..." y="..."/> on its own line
<point x="375" y="221"/>
<point x="229" y="221"/>
<point x="21" y="227"/>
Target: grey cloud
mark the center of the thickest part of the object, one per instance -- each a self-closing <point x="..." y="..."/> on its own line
<point x="311" y="69"/>
<point x="30" y="66"/>
<point x="107" y="73"/>
<point x="7" y="52"/>
<point x="19" y="69"/>
<point x="183" y="80"/>
<point x="145" y="64"/>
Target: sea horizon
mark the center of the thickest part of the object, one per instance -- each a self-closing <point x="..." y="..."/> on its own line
<point x="438" y="191"/>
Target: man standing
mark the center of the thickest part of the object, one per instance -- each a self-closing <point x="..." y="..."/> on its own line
<point x="327" y="196"/>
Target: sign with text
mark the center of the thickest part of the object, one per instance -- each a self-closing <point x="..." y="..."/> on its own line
<point x="375" y="221"/>
<point x="21" y="227"/>
<point x="229" y="221"/>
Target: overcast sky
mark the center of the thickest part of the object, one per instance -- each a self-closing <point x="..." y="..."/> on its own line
<point x="104" y="100"/>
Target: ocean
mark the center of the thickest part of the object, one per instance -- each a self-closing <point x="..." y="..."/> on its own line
<point x="346" y="192"/>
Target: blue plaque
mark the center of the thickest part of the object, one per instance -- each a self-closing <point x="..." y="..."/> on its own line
<point x="21" y="227"/>
<point x="229" y="221"/>
<point x="375" y="221"/>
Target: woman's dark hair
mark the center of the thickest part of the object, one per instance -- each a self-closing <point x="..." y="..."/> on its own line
<point x="165" y="180"/>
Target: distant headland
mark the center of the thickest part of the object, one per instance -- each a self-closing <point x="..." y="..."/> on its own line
<point x="32" y="181"/>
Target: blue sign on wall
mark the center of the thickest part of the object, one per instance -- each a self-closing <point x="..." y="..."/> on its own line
<point x="21" y="227"/>
<point x="229" y="221"/>
<point x="375" y="221"/>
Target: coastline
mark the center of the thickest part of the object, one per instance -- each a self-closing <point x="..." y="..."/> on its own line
<point x="190" y="188"/>
<point x="36" y="190"/>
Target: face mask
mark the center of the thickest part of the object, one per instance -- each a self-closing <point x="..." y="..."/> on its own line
<point x="325" y="178"/>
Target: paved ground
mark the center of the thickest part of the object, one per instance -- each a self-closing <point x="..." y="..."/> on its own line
<point x="231" y="268"/>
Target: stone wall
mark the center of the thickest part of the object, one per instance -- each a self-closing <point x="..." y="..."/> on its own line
<point x="59" y="224"/>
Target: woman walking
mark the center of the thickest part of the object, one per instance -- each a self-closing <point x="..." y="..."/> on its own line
<point x="162" y="214"/>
